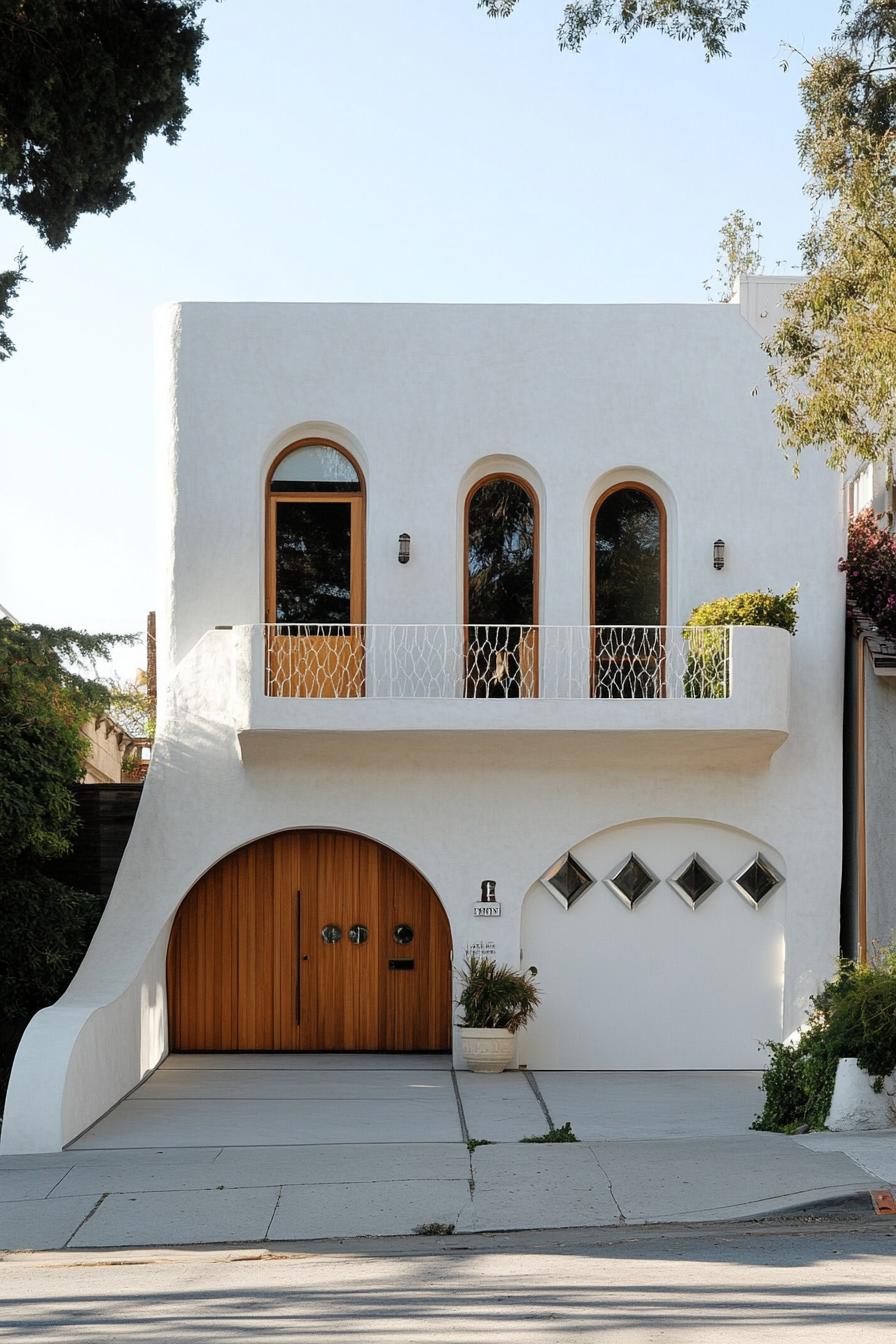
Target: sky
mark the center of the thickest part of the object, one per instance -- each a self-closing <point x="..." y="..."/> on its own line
<point x="372" y="150"/>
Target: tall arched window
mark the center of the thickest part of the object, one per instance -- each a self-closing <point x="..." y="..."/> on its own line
<point x="501" y="598"/>
<point x="628" y="596"/>
<point x="315" y="570"/>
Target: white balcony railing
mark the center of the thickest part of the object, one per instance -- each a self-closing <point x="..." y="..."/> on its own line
<point x="510" y="662"/>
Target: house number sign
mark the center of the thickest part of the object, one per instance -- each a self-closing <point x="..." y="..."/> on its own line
<point x="487" y="907"/>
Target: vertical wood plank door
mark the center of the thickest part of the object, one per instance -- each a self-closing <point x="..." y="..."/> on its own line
<point x="249" y="967"/>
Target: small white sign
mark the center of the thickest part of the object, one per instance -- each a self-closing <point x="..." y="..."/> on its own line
<point x="484" y="948"/>
<point x="487" y="909"/>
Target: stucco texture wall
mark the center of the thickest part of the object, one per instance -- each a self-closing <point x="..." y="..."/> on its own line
<point x="880" y="833"/>
<point x="426" y="397"/>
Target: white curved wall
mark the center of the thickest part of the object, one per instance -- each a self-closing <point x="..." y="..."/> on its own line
<point x="426" y="392"/>
<point x="662" y="985"/>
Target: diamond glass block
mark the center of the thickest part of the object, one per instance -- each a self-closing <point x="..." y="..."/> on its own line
<point x="694" y="880"/>
<point x="632" y="880"/>
<point x="568" y="881"/>
<point x="758" y="880"/>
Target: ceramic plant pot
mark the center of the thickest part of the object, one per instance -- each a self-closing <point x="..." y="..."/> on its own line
<point x="856" y="1105"/>
<point x="487" y="1049"/>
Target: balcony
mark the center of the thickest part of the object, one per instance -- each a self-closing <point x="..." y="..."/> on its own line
<point x="701" y="689"/>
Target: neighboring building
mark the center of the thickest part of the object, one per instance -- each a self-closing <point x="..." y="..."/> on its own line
<point x="869" y="841"/>
<point x="111" y="748"/>
<point x="425" y="574"/>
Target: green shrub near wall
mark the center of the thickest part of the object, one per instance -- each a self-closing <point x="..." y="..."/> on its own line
<point x="707" y="633"/>
<point x="853" y="1017"/>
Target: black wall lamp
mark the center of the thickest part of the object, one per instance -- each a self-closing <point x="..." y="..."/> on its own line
<point x="718" y="554"/>
<point x="404" y="548"/>
<point x="487" y="893"/>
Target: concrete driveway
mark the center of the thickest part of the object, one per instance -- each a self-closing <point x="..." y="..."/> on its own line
<point x="254" y="1148"/>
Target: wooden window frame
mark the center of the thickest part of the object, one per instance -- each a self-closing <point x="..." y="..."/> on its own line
<point x="536" y="565"/>
<point x="357" y="500"/>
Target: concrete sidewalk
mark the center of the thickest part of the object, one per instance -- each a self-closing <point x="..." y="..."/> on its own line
<point x="280" y="1148"/>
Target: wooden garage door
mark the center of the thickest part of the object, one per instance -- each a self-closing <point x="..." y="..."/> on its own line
<point x="249" y="967"/>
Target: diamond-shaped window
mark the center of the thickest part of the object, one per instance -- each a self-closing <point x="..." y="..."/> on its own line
<point x="758" y="880"/>
<point x="694" y="880"/>
<point x="567" y="881"/>
<point x="631" y="880"/>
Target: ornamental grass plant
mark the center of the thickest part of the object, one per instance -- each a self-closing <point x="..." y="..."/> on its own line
<point x="493" y="996"/>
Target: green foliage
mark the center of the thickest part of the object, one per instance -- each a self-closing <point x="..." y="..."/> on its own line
<point x="48" y="690"/>
<point x="434" y="1229"/>
<point x="557" y="1134"/>
<point x="834" y="352"/>
<point x="473" y="1144"/>
<point x="46" y="929"/>
<point x="738" y="254"/>
<point x="760" y="608"/>
<point x="798" y="1083"/>
<point x="853" y="1017"/>
<point x="83" y="87"/>
<point x="10" y="283"/>
<point x="496" y="996"/>
<point x="709" y="21"/>
<point x="870" y="568"/>
<point x="706" y="631"/>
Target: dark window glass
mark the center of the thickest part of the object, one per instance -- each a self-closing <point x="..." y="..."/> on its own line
<point x="695" y="880"/>
<point x="570" y="880"/>
<point x="501" y="555"/>
<point x="314" y="563"/>
<point x="633" y="880"/>
<point x="500" y="591"/>
<point x="627" y="560"/>
<point x="758" y="880"/>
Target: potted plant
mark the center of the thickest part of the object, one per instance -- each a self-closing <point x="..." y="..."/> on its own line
<point x="495" y="1001"/>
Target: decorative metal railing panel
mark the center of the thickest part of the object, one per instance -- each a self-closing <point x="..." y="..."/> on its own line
<point x="506" y="662"/>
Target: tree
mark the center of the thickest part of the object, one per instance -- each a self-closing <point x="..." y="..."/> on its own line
<point x="10" y="282"/>
<point x="48" y="688"/>
<point x="709" y="21"/>
<point x="738" y="254"/>
<point x="83" y="87"/>
<point x="834" y="352"/>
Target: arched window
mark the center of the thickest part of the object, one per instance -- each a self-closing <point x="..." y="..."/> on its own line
<point x="628" y="597"/>
<point x="315" y="570"/>
<point x="501" y="597"/>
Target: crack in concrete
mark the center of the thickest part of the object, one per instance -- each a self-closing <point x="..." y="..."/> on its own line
<point x="533" y="1083"/>
<point x="86" y="1219"/>
<point x="273" y="1214"/>
<point x="606" y="1176"/>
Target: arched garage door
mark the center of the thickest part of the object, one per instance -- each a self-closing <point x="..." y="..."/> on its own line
<point x="310" y="940"/>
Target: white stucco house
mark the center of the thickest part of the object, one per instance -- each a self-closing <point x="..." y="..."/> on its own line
<point x="424" y="574"/>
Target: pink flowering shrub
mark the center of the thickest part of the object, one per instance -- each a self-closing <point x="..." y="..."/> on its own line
<point x="870" y="568"/>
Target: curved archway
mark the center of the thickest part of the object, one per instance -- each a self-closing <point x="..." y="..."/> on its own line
<point x="314" y="570"/>
<point x="651" y="980"/>
<point x="628" y="591"/>
<point x="310" y="940"/>
<point x="501" y="587"/>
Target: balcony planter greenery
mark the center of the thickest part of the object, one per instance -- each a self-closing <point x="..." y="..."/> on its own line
<point x="495" y="1001"/>
<point x="707" y="633"/>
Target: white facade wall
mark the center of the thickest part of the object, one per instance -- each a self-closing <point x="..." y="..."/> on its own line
<point x="428" y="398"/>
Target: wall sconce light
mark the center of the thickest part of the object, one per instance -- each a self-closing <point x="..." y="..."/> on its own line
<point x="404" y="548"/>
<point x="718" y="554"/>
<point x="488" y="890"/>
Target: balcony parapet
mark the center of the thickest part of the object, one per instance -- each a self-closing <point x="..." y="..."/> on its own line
<point x="716" y="687"/>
